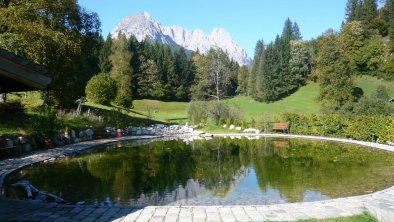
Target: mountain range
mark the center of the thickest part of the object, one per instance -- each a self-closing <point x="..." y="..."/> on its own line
<point x="143" y="26"/>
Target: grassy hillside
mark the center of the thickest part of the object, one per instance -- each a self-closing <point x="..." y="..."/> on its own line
<point x="369" y="84"/>
<point x="304" y="100"/>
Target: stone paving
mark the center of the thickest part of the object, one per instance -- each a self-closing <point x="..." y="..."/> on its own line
<point x="380" y="204"/>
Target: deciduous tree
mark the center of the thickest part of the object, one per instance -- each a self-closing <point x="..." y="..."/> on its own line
<point x="121" y="70"/>
<point x="58" y="34"/>
<point x="334" y="73"/>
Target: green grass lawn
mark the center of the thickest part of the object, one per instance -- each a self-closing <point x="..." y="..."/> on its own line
<point x="163" y="111"/>
<point x="302" y="101"/>
<point x="158" y="110"/>
<point x="365" y="217"/>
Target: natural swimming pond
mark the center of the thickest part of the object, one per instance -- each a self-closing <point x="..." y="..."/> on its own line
<point x="221" y="171"/>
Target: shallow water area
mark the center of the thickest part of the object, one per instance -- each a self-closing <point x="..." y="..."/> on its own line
<point x="221" y="171"/>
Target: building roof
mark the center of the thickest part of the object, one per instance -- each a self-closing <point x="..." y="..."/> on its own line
<point x="20" y="74"/>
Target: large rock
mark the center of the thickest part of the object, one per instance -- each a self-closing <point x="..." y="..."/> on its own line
<point x="73" y="135"/>
<point x="27" y="147"/>
<point x="252" y="130"/>
<point x="9" y="142"/>
<point x="23" y="140"/>
<point x="89" y="133"/>
<point x="138" y="132"/>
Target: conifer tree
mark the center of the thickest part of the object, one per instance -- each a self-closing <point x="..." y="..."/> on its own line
<point x="369" y="12"/>
<point x="297" y="33"/>
<point x="274" y="77"/>
<point x="390" y="6"/>
<point x="252" y="78"/>
<point x="353" y="10"/>
<point x="267" y="81"/>
<point x="242" y="80"/>
<point x="105" y="52"/>
<point x="181" y="82"/>
<point x="149" y="85"/>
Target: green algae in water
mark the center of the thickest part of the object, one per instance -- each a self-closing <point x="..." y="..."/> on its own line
<point x="219" y="171"/>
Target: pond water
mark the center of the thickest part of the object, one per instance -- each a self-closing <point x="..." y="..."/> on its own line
<point x="221" y="171"/>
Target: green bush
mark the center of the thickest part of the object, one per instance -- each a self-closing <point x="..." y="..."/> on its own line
<point x="252" y="123"/>
<point x="356" y="127"/>
<point x="228" y="122"/>
<point x="201" y="111"/>
<point x="46" y="124"/>
<point x="244" y="124"/>
<point x="222" y="121"/>
<point x="236" y="123"/>
<point x="101" y="89"/>
<point x="197" y="112"/>
<point x="217" y="111"/>
<point x="263" y="122"/>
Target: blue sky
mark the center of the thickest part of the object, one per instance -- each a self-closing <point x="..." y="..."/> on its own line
<point x="246" y="20"/>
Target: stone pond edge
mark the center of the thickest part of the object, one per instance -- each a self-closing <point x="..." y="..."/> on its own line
<point x="370" y="202"/>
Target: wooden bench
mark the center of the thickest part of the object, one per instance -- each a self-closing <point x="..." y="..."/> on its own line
<point x="281" y="144"/>
<point x="281" y="126"/>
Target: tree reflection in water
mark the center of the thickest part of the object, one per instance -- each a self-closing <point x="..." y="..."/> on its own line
<point x="218" y="171"/>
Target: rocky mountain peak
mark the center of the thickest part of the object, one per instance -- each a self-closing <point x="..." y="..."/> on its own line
<point x="143" y="26"/>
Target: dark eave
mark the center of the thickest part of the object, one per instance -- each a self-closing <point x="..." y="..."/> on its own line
<point x="19" y="74"/>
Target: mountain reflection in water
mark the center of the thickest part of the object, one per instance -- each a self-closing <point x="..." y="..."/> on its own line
<point x="221" y="171"/>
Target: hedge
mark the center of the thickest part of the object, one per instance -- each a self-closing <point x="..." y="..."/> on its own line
<point x="364" y="128"/>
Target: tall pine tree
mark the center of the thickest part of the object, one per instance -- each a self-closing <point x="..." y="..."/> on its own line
<point x="353" y="10"/>
<point x="105" y="52"/>
<point x="252" y="78"/>
<point x="272" y="72"/>
<point x="369" y="12"/>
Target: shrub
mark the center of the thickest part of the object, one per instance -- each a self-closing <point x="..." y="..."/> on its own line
<point x="356" y="127"/>
<point x="244" y="124"/>
<point x="389" y="136"/>
<point x="101" y="89"/>
<point x="217" y="111"/>
<point x="200" y="112"/>
<point x="222" y="121"/>
<point x="236" y="124"/>
<point x="263" y="123"/>
<point x="228" y="122"/>
<point x="252" y="123"/>
<point x="46" y="124"/>
<point x="197" y="112"/>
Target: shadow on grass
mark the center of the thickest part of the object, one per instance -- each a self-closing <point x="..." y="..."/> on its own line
<point x="117" y="117"/>
<point x="14" y="124"/>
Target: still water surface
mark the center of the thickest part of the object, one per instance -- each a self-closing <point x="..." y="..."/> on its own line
<point x="221" y="171"/>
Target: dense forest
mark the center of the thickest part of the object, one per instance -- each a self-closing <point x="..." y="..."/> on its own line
<point x="67" y="39"/>
<point x="363" y="46"/>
